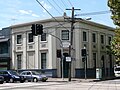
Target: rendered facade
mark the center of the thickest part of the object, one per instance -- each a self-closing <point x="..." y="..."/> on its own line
<point x="42" y="52"/>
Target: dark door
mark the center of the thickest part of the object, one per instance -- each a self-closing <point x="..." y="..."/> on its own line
<point x="65" y="66"/>
<point x="94" y="68"/>
<point x="103" y="66"/>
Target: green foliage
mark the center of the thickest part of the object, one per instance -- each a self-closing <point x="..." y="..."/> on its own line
<point x="115" y="44"/>
<point x="115" y="9"/>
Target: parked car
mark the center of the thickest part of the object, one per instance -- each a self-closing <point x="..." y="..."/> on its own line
<point x="11" y="76"/>
<point x="1" y="79"/>
<point x="33" y="76"/>
<point x="117" y="71"/>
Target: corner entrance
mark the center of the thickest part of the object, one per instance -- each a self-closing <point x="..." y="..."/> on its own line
<point x="65" y="65"/>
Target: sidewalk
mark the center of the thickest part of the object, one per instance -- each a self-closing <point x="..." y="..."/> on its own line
<point x="72" y="79"/>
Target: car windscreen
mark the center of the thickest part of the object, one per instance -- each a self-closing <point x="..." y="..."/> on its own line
<point x="35" y="73"/>
<point x="13" y="73"/>
<point x="117" y="69"/>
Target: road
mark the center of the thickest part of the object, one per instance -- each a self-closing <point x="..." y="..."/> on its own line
<point x="63" y="85"/>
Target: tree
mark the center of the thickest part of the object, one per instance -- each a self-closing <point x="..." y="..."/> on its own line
<point x="115" y="9"/>
<point x="115" y="44"/>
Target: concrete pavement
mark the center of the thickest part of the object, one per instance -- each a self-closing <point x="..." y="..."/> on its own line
<point x="86" y="84"/>
<point x="63" y="84"/>
<point x="72" y="79"/>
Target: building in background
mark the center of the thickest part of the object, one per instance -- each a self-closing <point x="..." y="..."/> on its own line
<point x="42" y="52"/>
<point x="5" y="48"/>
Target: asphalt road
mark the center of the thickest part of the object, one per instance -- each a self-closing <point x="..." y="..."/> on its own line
<point x="63" y="85"/>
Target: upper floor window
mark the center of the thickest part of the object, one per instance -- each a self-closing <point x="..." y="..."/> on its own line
<point x="93" y="37"/>
<point x="43" y="37"/>
<point x="30" y="37"/>
<point x="84" y="36"/>
<point x="102" y="39"/>
<point x="4" y="47"/>
<point x="109" y="40"/>
<point x="19" y="39"/>
<point x="65" y="34"/>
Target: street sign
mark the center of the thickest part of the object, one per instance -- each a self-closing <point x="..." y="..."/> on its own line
<point x="68" y="59"/>
<point x="66" y="44"/>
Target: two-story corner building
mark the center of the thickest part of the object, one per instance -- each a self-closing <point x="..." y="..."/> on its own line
<point x="5" y="48"/>
<point x="42" y="52"/>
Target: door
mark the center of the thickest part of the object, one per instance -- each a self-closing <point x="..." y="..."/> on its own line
<point x="94" y="63"/>
<point x="103" y="66"/>
<point x="65" y="66"/>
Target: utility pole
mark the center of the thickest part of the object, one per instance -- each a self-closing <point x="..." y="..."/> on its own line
<point x="71" y="41"/>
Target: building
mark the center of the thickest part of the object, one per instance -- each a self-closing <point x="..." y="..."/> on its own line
<point x="42" y="52"/>
<point x="5" y="48"/>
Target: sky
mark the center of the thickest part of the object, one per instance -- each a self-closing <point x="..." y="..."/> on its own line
<point x="21" y="11"/>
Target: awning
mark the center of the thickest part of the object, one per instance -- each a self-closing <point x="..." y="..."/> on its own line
<point x="4" y="40"/>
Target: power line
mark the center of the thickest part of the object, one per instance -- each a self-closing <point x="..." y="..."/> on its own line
<point x="70" y="3"/>
<point x="63" y="3"/>
<point x="58" y="5"/>
<point x="93" y="13"/>
<point x="50" y="14"/>
<point x="53" y="6"/>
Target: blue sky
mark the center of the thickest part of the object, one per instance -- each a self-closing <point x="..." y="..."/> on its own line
<point x="21" y="11"/>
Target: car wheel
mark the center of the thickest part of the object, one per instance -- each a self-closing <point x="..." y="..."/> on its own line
<point x="43" y="80"/>
<point x="11" y="80"/>
<point x="35" y="80"/>
<point x="1" y="82"/>
<point x="22" y="81"/>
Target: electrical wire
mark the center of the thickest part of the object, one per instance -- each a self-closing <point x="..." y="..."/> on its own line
<point x="53" y="6"/>
<point x="63" y="3"/>
<point x="58" y="6"/>
<point x="70" y="3"/>
<point x="51" y="14"/>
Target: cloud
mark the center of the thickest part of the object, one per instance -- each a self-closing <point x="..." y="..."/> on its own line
<point x="46" y="6"/>
<point x="35" y="15"/>
<point x="25" y="12"/>
<point x="28" y="12"/>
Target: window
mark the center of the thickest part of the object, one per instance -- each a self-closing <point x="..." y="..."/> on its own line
<point x="109" y="40"/>
<point x="43" y="60"/>
<point x="30" y="37"/>
<point x="4" y="47"/>
<point x="102" y="39"/>
<point x="19" y="39"/>
<point x="94" y="37"/>
<point x="94" y="56"/>
<point x="28" y="73"/>
<point x="84" y="36"/>
<point x="43" y="37"/>
<point x="65" y="34"/>
<point x="94" y="59"/>
<point x="19" y="63"/>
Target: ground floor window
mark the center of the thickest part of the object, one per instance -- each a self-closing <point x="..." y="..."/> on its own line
<point x="43" y="60"/>
<point x="19" y="61"/>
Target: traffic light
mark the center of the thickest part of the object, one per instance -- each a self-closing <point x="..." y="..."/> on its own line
<point x="83" y="52"/>
<point x="59" y="54"/>
<point x="33" y="29"/>
<point x="39" y="29"/>
<point x="83" y="59"/>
